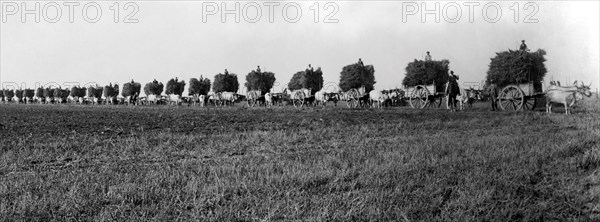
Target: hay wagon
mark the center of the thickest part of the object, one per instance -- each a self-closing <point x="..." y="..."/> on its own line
<point x="421" y="96"/>
<point x="515" y="97"/>
<point x="353" y="96"/>
<point x="298" y="97"/>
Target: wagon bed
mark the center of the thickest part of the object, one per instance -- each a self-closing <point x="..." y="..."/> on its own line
<point x="515" y="97"/>
<point x="421" y="96"/>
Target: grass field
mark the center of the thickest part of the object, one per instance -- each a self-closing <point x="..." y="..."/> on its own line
<point x="104" y="163"/>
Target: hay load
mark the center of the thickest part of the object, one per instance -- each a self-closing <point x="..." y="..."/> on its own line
<point x="8" y="94"/>
<point x="29" y="93"/>
<point x="175" y="87"/>
<point x="357" y="75"/>
<point x="39" y="92"/>
<point x="262" y="81"/>
<point x="77" y="92"/>
<point x="131" y="89"/>
<point x="226" y="83"/>
<point x="514" y="67"/>
<point x="111" y="91"/>
<point x="94" y="91"/>
<point x="48" y="92"/>
<point x="19" y="94"/>
<point x="61" y="95"/>
<point x="153" y="88"/>
<point x="307" y="79"/>
<point x="199" y="86"/>
<point x="427" y="72"/>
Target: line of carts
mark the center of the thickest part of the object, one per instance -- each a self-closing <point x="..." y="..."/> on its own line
<point x="513" y="97"/>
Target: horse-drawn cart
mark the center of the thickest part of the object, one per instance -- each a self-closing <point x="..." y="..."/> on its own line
<point x="421" y="96"/>
<point x="515" y="97"/>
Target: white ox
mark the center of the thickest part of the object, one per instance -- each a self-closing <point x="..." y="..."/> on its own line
<point x="268" y="99"/>
<point x="174" y="99"/>
<point x="567" y="96"/>
<point x="395" y="95"/>
<point x="202" y="100"/>
<point x="253" y="96"/>
<point x="226" y="98"/>
<point x="321" y="97"/>
<point x="152" y="99"/>
<point x="377" y="96"/>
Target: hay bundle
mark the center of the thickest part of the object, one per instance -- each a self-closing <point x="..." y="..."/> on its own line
<point x="131" y="88"/>
<point x="356" y="76"/>
<point x="308" y="79"/>
<point x="48" y="92"/>
<point x="226" y="83"/>
<point x="77" y="91"/>
<point x="8" y="93"/>
<point x="19" y="93"/>
<point x="153" y="88"/>
<point x="512" y="67"/>
<point x="199" y="86"/>
<point x="39" y="92"/>
<point x="61" y="93"/>
<point x="29" y="93"/>
<point x="95" y="92"/>
<point x="421" y="72"/>
<point x="262" y="81"/>
<point x="111" y="91"/>
<point x="175" y="87"/>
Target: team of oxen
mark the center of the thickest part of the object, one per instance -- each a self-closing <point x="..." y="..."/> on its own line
<point x="568" y="96"/>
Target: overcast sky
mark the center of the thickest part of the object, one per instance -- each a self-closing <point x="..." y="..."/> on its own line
<point x="170" y="40"/>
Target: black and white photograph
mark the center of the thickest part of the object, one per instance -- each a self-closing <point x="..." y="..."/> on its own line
<point x="307" y="110"/>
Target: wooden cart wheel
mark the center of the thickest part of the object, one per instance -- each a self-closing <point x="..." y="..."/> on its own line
<point x="530" y="103"/>
<point x="298" y="99"/>
<point x="352" y="103"/>
<point x="352" y="100"/>
<point x="419" y="97"/>
<point x="511" y="98"/>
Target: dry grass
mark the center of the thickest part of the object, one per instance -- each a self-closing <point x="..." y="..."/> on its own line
<point x="282" y="164"/>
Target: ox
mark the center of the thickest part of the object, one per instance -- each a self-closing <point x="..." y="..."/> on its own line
<point x="253" y="97"/>
<point x="377" y="96"/>
<point x="226" y="98"/>
<point x="568" y="95"/>
<point x="268" y="99"/>
<point x="175" y="99"/>
<point x="321" y="97"/>
<point x="152" y="99"/>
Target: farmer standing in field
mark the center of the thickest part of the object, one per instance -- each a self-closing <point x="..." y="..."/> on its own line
<point x="493" y="92"/>
<point x="452" y="91"/>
